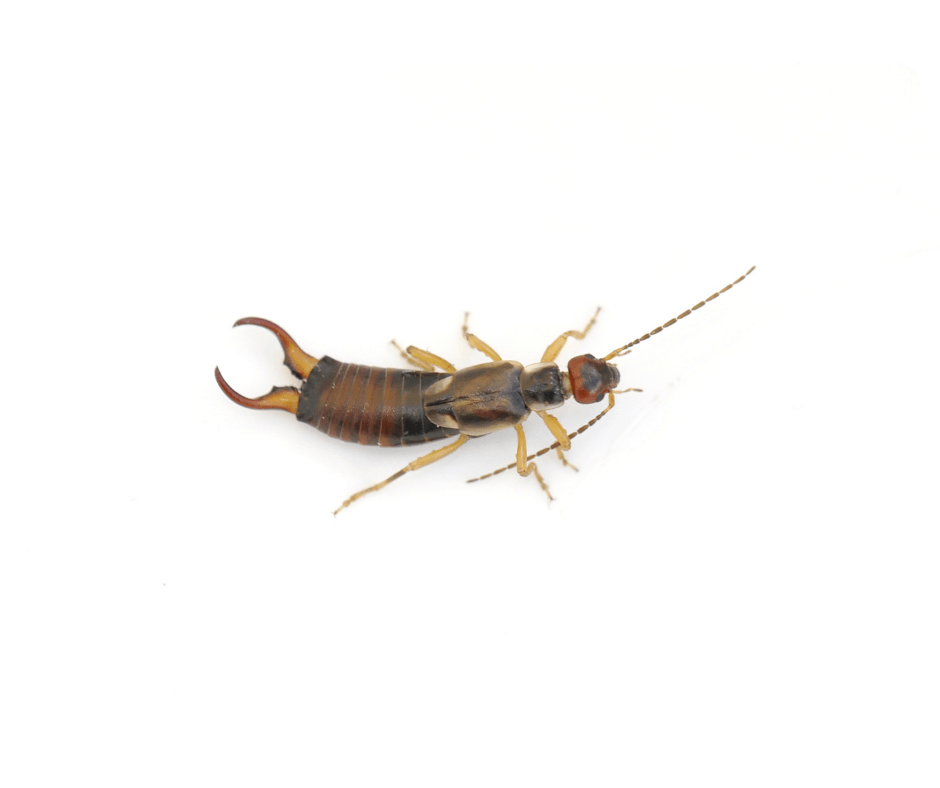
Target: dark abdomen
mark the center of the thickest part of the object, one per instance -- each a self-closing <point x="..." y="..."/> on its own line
<point x="370" y="405"/>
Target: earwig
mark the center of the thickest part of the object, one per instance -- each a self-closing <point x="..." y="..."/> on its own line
<point x="379" y="406"/>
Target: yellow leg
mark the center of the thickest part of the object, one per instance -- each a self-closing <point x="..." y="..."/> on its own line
<point x="478" y="344"/>
<point x="424" y="359"/>
<point x="561" y="436"/>
<point x="554" y="426"/>
<point x="427" y="459"/>
<point x="556" y="444"/>
<point x="525" y="468"/>
<point x="552" y="351"/>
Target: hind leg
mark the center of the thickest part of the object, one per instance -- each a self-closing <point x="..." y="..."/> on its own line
<point x="427" y="459"/>
<point x="424" y="359"/>
<point x="478" y="344"/>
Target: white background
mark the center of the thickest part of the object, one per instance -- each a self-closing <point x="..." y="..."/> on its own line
<point x="739" y="587"/>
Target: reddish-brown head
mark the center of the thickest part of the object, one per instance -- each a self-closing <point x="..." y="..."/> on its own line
<point x="591" y="378"/>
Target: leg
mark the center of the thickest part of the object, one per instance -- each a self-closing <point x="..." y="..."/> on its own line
<point x="564" y="460"/>
<point x="554" y="426"/>
<point x="526" y="468"/>
<point x="424" y="359"/>
<point x="561" y="436"/>
<point x="478" y="344"/>
<point x="427" y="459"/>
<point x="552" y="351"/>
<point x="557" y="444"/>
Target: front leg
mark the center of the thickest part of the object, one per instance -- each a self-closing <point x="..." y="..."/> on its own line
<point x="554" y="426"/>
<point x="552" y="351"/>
<point x="563" y="441"/>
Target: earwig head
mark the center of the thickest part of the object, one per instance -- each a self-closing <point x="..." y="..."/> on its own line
<point x="591" y="378"/>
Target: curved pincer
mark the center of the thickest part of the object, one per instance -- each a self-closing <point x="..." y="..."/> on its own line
<point x="298" y="362"/>
<point x="280" y="397"/>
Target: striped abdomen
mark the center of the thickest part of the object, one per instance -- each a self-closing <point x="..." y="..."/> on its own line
<point x="371" y="405"/>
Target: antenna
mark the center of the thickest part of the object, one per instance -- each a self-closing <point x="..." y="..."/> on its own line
<point x="621" y="351"/>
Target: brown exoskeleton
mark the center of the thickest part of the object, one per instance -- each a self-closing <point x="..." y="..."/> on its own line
<point x="396" y="407"/>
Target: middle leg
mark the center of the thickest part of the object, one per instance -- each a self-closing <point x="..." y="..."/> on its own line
<point x="524" y="467"/>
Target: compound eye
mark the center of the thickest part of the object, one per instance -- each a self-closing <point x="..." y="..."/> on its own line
<point x="590" y="378"/>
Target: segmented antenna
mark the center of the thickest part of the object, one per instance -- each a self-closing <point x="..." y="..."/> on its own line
<point x="622" y="350"/>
